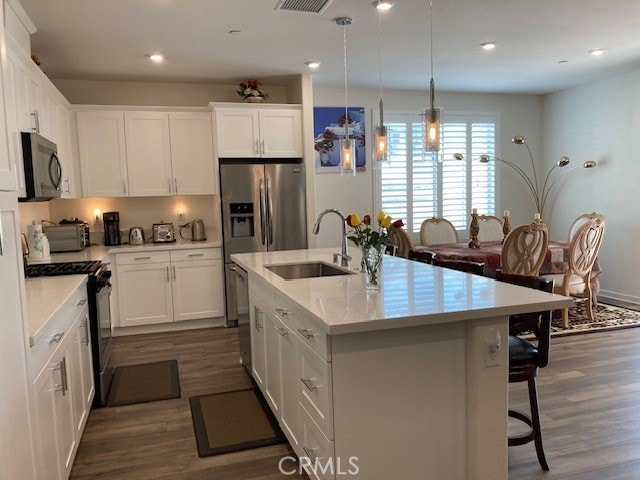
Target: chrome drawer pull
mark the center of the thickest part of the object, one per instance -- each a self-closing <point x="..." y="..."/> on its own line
<point x="308" y="384"/>
<point x="282" y="331"/>
<point x="306" y="333"/>
<point x="56" y="338"/>
<point x="196" y="254"/>
<point x="81" y="302"/>
<point x="142" y="258"/>
<point x="309" y="453"/>
<point x="282" y="312"/>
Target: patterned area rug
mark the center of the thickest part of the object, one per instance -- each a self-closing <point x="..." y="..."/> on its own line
<point x="607" y="317"/>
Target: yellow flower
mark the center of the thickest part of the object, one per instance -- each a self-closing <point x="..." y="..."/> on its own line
<point x="381" y="216"/>
<point x="386" y="221"/>
<point x="355" y="220"/>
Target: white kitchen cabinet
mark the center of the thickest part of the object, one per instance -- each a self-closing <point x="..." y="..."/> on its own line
<point x="291" y="414"/>
<point x="148" y="154"/>
<point x="192" y="153"/>
<point x="169" y="286"/>
<point x="81" y="373"/>
<point x="103" y="160"/>
<point x="266" y="132"/>
<point x="70" y="187"/>
<point x="257" y="311"/>
<point x="273" y="373"/>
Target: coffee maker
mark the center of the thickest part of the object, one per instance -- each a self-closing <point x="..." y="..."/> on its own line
<point x="111" y="221"/>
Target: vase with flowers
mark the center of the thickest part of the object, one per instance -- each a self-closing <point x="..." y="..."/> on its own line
<point x="372" y="240"/>
<point x="251" y="91"/>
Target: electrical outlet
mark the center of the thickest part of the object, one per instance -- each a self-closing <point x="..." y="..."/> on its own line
<point x="492" y="350"/>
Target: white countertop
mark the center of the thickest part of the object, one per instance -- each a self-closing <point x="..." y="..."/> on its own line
<point x="45" y="295"/>
<point x="412" y="293"/>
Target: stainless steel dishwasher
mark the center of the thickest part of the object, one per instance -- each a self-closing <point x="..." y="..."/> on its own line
<point x="242" y="305"/>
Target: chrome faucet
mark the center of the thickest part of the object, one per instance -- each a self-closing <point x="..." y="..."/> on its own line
<point x="344" y="256"/>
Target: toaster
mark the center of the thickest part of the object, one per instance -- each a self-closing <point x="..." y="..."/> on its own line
<point x="163" y="233"/>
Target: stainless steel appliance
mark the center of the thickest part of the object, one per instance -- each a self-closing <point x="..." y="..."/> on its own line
<point x="136" y="236"/>
<point x="99" y="292"/>
<point x="42" y="169"/>
<point x="197" y="231"/>
<point x="67" y="238"/>
<point x="112" y="234"/>
<point x="242" y="309"/>
<point x="163" y="233"/>
<point x="263" y="208"/>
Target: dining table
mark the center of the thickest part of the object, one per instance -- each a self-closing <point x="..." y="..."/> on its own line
<point x="489" y="253"/>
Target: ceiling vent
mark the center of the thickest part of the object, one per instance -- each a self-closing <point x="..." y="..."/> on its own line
<point x="306" y="6"/>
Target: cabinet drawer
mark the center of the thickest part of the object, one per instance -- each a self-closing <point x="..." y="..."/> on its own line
<point x="196" y="254"/>
<point x="142" y="258"/>
<point x="56" y="329"/>
<point x="317" y="448"/>
<point x="303" y="326"/>
<point x="314" y="389"/>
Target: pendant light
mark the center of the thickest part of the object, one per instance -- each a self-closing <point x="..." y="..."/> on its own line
<point x="380" y="141"/>
<point x="432" y="115"/>
<point x="347" y="145"/>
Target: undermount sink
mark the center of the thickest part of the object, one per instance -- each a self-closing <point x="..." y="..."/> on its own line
<point x="294" y="271"/>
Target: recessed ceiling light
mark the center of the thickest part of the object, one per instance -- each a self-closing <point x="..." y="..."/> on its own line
<point x="488" y="45"/>
<point x="383" y="5"/>
<point x="597" y="52"/>
<point x="156" y="57"/>
<point x="313" y="65"/>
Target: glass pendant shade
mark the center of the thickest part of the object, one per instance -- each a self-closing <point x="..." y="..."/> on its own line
<point x="347" y="157"/>
<point x="380" y="147"/>
<point x="432" y="118"/>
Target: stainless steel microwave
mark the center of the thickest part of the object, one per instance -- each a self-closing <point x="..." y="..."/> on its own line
<point x="42" y="169"/>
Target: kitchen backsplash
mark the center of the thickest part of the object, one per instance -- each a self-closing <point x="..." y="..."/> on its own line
<point x="134" y="212"/>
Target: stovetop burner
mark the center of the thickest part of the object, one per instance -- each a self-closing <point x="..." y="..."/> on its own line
<point x="64" y="268"/>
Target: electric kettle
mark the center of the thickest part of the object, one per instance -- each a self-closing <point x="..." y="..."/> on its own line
<point x="197" y="230"/>
<point x="136" y="236"/>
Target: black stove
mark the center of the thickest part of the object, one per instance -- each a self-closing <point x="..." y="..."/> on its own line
<point x="65" y="268"/>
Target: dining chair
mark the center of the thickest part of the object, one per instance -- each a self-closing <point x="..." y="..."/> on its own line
<point x="490" y="228"/>
<point x="436" y="231"/>
<point x="466" y="266"/>
<point x="525" y="358"/>
<point x="524" y="249"/>
<point x="401" y="239"/>
<point x="581" y="220"/>
<point x="576" y="279"/>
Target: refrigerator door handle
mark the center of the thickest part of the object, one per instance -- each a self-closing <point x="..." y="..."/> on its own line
<point x="263" y="213"/>
<point x="269" y="214"/>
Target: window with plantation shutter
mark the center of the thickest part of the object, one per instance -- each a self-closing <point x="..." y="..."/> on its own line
<point x="414" y="186"/>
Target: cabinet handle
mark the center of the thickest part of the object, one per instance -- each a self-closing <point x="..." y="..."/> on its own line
<point x="309" y="453"/>
<point x="170" y="190"/>
<point x="142" y="258"/>
<point x="63" y="371"/>
<point x="257" y="312"/>
<point x="81" y="302"/>
<point x="306" y="333"/>
<point x="68" y="182"/>
<point x="308" y="384"/>
<point x="59" y="387"/>
<point x="282" y="331"/>
<point x="57" y="337"/>
<point x="257" y="147"/>
<point x="202" y="255"/>
<point x="36" y="118"/>
<point x="168" y="278"/>
<point x="124" y="186"/>
<point x="263" y="147"/>
<point x="86" y="330"/>
<point x="174" y="272"/>
<point x="175" y="185"/>
<point x="282" y="312"/>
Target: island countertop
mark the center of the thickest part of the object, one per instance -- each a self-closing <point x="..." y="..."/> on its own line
<point x="412" y="293"/>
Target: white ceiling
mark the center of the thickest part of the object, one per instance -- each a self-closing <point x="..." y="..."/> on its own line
<point x="108" y="40"/>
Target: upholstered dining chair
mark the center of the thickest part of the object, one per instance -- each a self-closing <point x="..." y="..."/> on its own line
<point x="466" y="266"/>
<point x="581" y="220"/>
<point x="436" y="231"/>
<point x="576" y="280"/>
<point x="401" y="239"/>
<point x="525" y="358"/>
<point x="524" y="249"/>
<point x="490" y="228"/>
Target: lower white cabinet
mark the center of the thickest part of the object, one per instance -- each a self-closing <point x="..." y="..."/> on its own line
<point x="169" y="286"/>
<point x="257" y="311"/>
<point x="62" y="391"/>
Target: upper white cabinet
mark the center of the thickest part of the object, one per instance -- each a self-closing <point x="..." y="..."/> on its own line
<point x="146" y="153"/>
<point x="103" y="160"/>
<point x="268" y="132"/>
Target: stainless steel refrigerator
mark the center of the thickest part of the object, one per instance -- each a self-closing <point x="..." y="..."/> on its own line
<point x="263" y="208"/>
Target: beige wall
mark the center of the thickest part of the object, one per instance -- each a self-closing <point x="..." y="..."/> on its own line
<point x="600" y="121"/>
<point x="519" y="114"/>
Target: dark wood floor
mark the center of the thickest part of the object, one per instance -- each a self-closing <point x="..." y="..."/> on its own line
<point x="589" y="394"/>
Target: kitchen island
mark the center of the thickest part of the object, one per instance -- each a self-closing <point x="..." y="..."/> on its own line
<point x="396" y="383"/>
